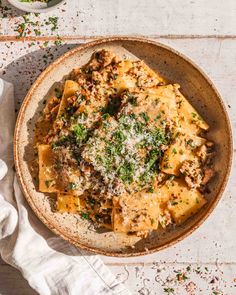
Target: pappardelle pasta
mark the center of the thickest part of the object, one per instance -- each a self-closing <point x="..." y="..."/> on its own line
<point x="122" y="147"/>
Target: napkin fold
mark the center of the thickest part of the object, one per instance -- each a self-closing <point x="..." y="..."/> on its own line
<point x="51" y="265"/>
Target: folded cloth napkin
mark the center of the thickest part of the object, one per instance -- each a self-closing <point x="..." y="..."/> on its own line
<point x="50" y="264"/>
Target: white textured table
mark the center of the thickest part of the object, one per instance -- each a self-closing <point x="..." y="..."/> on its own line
<point x="203" y="30"/>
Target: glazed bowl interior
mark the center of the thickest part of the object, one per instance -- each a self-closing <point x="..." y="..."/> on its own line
<point x="197" y="88"/>
<point x="37" y="6"/>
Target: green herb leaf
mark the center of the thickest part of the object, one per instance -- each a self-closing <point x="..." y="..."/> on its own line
<point x="48" y="183"/>
<point x="72" y="186"/>
<point x="58" y="93"/>
<point x="169" y="290"/>
<point x="53" y="20"/>
<point x="150" y="190"/>
<point x="80" y="132"/>
<point x="84" y="216"/>
<point x="174" y="151"/>
<point x="126" y="171"/>
<point x="145" y="116"/>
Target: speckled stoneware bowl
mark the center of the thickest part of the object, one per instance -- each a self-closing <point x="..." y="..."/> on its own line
<point x="195" y="85"/>
<point x="37" y="6"/>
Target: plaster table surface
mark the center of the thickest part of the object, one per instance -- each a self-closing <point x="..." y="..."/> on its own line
<point x="205" y="31"/>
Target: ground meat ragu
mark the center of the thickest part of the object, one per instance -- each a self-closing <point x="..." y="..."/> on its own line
<point x="117" y="121"/>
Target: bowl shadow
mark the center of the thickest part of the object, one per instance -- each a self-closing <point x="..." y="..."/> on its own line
<point x="22" y="82"/>
<point x="8" y="11"/>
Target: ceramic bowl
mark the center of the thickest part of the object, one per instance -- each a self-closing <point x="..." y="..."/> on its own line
<point x="37" y="7"/>
<point x="194" y="84"/>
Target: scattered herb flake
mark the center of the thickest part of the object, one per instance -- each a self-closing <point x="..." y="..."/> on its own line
<point x="53" y="21"/>
<point x="84" y="216"/>
<point x="72" y="186"/>
<point x="48" y="183"/>
<point x="169" y="290"/>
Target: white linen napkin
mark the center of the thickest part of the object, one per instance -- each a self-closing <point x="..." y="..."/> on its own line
<point x="51" y="265"/>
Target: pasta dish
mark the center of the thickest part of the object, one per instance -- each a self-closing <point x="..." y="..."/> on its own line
<point x="121" y="147"/>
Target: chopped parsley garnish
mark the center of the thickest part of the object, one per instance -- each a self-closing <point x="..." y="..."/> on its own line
<point x="82" y="116"/>
<point x="132" y="99"/>
<point x="157" y="117"/>
<point x="119" y="136"/>
<point x="53" y="21"/>
<point x="58" y="42"/>
<point x="169" y="290"/>
<point x="126" y="171"/>
<point x="37" y="32"/>
<point x="80" y="97"/>
<point x="101" y="109"/>
<point x="21" y="29"/>
<point x="181" y="277"/>
<point x="80" y="132"/>
<point x="139" y="126"/>
<point x="171" y="177"/>
<point x="114" y="149"/>
<point x="58" y="93"/>
<point x="190" y="143"/>
<point x="45" y="44"/>
<point x="174" y="151"/>
<point x="54" y="145"/>
<point x="151" y="159"/>
<point x="27" y="26"/>
<point x="158" y="137"/>
<point x="62" y="141"/>
<point x="48" y="183"/>
<point x="173" y="203"/>
<point x="150" y="190"/>
<point x="105" y="116"/>
<point x="71" y="110"/>
<point x="84" y="216"/>
<point x="72" y="186"/>
<point x="145" y="116"/>
<point x="91" y="202"/>
<point x="128" y="150"/>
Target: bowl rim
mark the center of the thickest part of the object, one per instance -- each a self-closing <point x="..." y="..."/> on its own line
<point x="23" y="185"/>
<point x="25" y="7"/>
